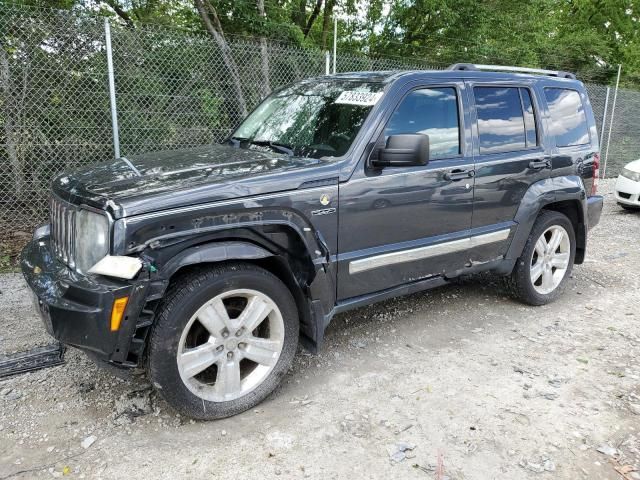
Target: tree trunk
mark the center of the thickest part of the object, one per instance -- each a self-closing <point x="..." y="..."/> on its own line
<point x="298" y="16"/>
<point x="9" y="133"/>
<point x="312" y="18"/>
<point x="264" y="53"/>
<point x="227" y="57"/>
<point x="326" y="22"/>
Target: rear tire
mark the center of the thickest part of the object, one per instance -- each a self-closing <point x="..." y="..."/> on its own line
<point x="223" y="340"/>
<point x="541" y="272"/>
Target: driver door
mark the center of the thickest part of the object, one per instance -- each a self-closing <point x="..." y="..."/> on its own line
<point x="401" y="224"/>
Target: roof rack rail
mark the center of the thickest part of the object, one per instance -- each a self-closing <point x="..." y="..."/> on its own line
<point x="501" y="68"/>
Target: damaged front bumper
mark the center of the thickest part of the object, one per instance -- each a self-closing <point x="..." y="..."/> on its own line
<point x="76" y="309"/>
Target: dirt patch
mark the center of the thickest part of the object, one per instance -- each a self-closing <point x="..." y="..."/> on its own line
<point x="21" y="327"/>
<point x="460" y="380"/>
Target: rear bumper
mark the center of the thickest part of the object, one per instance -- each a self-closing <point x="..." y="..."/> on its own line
<point x="76" y="309"/>
<point x="594" y="210"/>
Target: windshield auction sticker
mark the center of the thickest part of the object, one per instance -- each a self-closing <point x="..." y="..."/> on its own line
<point x="359" y="98"/>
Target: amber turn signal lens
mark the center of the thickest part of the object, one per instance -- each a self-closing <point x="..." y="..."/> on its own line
<point x="117" y="312"/>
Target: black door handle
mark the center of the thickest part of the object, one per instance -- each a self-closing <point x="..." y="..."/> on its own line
<point x="459" y="174"/>
<point x="540" y="164"/>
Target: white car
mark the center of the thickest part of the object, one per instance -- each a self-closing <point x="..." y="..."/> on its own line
<point x="628" y="186"/>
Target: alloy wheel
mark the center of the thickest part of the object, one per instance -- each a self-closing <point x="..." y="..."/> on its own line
<point x="550" y="259"/>
<point x="230" y="345"/>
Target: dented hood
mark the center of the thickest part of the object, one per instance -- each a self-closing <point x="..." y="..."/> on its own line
<point x="161" y="180"/>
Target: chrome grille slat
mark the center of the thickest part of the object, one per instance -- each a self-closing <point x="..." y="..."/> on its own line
<point x="72" y="242"/>
<point x="63" y="234"/>
<point x="56" y="225"/>
<point x="63" y="220"/>
<point x="56" y="222"/>
<point x="66" y="220"/>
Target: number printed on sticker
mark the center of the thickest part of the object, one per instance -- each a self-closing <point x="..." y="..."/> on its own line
<point x="359" y="98"/>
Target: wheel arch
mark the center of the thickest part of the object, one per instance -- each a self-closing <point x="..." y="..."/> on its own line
<point x="564" y="194"/>
<point x="574" y="211"/>
<point x="212" y="252"/>
<point x="278" y="249"/>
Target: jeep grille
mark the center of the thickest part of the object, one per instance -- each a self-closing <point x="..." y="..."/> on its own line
<point x="63" y="227"/>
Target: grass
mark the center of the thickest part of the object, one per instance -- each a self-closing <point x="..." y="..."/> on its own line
<point x="10" y="248"/>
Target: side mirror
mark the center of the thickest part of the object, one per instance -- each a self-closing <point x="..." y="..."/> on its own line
<point x="404" y="150"/>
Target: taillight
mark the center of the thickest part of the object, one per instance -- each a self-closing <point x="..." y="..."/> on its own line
<point x="596" y="173"/>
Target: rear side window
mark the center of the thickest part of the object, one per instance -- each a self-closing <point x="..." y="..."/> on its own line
<point x="506" y="119"/>
<point x="568" y="120"/>
<point x="431" y="111"/>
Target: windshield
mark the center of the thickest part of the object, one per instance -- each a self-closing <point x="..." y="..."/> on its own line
<point x="311" y="119"/>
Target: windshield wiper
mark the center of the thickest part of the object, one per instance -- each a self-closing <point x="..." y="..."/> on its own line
<point x="235" y="141"/>
<point x="280" y="147"/>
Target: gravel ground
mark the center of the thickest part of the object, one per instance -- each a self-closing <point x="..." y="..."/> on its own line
<point x="460" y="379"/>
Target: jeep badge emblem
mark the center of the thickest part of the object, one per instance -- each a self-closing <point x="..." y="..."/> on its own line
<point x="324" y="200"/>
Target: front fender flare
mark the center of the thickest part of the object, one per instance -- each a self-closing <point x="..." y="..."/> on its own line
<point x="213" y="252"/>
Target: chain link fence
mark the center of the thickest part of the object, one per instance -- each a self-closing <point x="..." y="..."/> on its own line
<point x="624" y="146"/>
<point x="598" y="97"/>
<point x="174" y="90"/>
<point x="54" y="106"/>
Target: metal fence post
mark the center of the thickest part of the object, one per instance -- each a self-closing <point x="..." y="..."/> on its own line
<point x="335" y="42"/>
<point x="603" y="125"/>
<point x="604" y="117"/>
<point x="613" y="111"/>
<point x="112" y="90"/>
<point x="327" y="63"/>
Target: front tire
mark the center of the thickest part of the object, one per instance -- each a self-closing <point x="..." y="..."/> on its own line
<point x="541" y="272"/>
<point x="223" y="340"/>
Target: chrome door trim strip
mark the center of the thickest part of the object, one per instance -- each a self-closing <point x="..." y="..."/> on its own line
<point x="420" y="253"/>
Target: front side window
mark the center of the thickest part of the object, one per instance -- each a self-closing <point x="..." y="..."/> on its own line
<point x="568" y="120"/>
<point x="502" y="125"/>
<point x="433" y="112"/>
<point x="319" y="119"/>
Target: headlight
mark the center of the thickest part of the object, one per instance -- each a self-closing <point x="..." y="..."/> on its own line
<point x="635" y="176"/>
<point x="42" y="231"/>
<point x="92" y="239"/>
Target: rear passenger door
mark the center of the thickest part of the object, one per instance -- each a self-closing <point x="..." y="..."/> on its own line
<point x="509" y="154"/>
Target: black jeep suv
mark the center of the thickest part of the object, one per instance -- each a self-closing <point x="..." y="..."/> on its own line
<point x="206" y="266"/>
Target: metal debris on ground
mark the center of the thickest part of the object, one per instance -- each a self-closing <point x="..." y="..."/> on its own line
<point x="87" y="442"/>
<point x="398" y="451"/>
<point x="607" y="450"/>
<point x="34" y="359"/>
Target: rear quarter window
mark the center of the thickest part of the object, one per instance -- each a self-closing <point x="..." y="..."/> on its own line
<point x="568" y="119"/>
